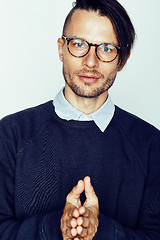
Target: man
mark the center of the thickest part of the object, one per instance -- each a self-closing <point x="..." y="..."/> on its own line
<point x="79" y="167"/>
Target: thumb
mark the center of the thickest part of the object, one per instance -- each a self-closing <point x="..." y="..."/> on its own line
<point x="74" y="196"/>
<point x="91" y="198"/>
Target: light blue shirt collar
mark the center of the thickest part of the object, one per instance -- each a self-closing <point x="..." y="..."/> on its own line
<point x="101" y="117"/>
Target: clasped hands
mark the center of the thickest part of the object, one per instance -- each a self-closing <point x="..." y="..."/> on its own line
<point x="80" y="222"/>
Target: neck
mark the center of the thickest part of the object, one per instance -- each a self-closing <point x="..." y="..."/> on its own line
<point x="83" y="104"/>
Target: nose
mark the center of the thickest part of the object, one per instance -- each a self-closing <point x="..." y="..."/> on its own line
<point x="91" y="60"/>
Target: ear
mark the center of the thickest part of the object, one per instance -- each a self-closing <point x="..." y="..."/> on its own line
<point x="60" y="43"/>
<point x="121" y="67"/>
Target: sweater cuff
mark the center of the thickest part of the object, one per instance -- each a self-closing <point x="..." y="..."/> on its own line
<point x="108" y="229"/>
<point x="50" y="226"/>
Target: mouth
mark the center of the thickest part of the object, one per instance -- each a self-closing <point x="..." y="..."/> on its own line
<point x="86" y="78"/>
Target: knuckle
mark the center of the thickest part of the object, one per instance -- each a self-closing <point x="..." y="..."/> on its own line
<point x="86" y="222"/>
<point x="79" y="230"/>
<point x="87" y="212"/>
<point x="84" y="232"/>
<point x="68" y="233"/>
<point x="80" y="221"/>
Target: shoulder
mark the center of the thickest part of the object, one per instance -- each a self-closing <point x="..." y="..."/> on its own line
<point x="30" y="114"/>
<point x="26" y="123"/>
<point x="131" y="123"/>
<point x="142" y="136"/>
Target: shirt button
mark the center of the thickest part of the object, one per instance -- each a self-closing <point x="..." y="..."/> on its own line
<point x="86" y="118"/>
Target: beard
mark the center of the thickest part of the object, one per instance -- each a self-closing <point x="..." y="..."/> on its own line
<point x="87" y="90"/>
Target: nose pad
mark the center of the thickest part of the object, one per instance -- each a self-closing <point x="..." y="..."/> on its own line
<point x="91" y="60"/>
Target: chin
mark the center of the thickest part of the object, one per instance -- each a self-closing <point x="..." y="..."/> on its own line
<point x="88" y="94"/>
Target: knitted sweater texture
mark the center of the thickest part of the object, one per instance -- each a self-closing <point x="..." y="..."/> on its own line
<point x="42" y="157"/>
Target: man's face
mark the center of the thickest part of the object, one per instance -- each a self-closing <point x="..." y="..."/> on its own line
<point x="88" y="76"/>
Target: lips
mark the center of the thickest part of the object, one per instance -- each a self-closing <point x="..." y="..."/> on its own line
<point x="88" y="78"/>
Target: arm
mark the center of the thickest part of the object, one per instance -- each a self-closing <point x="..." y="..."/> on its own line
<point x="35" y="227"/>
<point x="38" y="227"/>
<point x="87" y="221"/>
<point x="148" y="225"/>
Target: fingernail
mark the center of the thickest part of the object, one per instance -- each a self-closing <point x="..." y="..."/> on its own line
<point x="73" y="232"/>
<point x="79" y="229"/>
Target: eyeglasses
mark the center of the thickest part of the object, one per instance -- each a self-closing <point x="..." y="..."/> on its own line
<point x="78" y="47"/>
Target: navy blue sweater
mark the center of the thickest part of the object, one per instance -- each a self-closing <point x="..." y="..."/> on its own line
<point x="42" y="157"/>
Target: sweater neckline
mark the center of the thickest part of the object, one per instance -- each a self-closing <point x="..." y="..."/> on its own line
<point x="72" y="123"/>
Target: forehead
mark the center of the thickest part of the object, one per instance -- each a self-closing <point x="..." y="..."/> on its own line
<point x="91" y="26"/>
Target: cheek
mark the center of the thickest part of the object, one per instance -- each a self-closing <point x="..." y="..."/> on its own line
<point x="71" y="63"/>
<point x="109" y="68"/>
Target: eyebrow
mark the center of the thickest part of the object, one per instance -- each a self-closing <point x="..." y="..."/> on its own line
<point x="112" y="43"/>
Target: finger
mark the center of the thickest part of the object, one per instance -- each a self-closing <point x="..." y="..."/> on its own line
<point x="76" y="213"/>
<point x="71" y="210"/>
<point x="83" y="221"/>
<point x="79" y="221"/>
<point x="82" y="231"/>
<point x="71" y="233"/>
<point x="73" y="223"/>
<point x="82" y="210"/>
<point x="74" y="232"/>
<point x="91" y="198"/>
<point x="74" y="196"/>
<point x="79" y="230"/>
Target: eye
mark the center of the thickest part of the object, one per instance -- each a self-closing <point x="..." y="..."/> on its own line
<point x="78" y="43"/>
<point x="106" y="48"/>
<point x="78" y="46"/>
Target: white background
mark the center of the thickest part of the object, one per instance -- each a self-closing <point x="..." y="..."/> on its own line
<point x="30" y="71"/>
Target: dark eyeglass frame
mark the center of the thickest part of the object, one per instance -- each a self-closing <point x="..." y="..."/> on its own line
<point x="90" y="44"/>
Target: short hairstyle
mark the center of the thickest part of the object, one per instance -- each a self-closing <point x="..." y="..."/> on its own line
<point x="119" y="18"/>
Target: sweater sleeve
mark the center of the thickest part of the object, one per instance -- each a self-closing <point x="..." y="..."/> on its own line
<point x="110" y="229"/>
<point x="38" y="227"/>
<point x="33" y="227"/>
<point x="148" y="223"/>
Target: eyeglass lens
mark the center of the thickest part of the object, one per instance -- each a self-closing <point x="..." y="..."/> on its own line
<point x="79" y="48"/>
